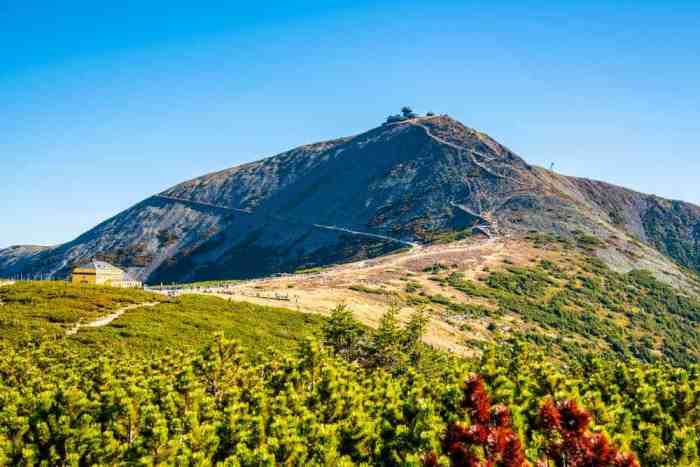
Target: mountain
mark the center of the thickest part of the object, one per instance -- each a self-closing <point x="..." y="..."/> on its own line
<point x="408" y="182"/>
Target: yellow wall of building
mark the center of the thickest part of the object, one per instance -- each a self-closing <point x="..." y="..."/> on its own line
<point x="107" y="278"/>
<point x="83" y="276"/>
<point x="90" y="277"/>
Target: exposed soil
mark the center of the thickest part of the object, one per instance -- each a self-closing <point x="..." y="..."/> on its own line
<point x="386" y="278"/>
<point x="105" y="320"/>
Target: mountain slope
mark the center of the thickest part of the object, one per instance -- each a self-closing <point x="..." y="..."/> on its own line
<point x="396" y="185"/>
<point x="546" y="290"/>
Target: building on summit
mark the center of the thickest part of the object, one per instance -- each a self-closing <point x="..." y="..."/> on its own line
<point x="102" y="273"/>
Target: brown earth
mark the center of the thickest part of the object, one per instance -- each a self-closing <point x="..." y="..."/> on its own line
<point x="369" y="287"/>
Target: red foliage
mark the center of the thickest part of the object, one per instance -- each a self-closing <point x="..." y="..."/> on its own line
<point x="430" y="460"/>
<point x="501" y="416"/>
<point x="549" y="414"/>
<point x="570" y="443"/>
<point x="491" y="431"/>
<point x="478" y="434"/>
<point x="626" y="459"/>
<point x="476" y="399"/>
<point x="506" y="442"/>
<point x="574" y="420"/>
<point x="491" y="442"/>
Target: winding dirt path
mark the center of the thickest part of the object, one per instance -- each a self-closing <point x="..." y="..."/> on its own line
<point x="105" y="320"/>
<point x="486" y="225"/>
<point x="471" y="152"/>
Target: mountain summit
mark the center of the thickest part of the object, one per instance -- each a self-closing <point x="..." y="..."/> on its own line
<point x="408" y="182"/>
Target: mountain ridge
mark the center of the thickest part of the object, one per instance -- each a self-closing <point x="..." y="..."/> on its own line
<point x="398" y="184"/>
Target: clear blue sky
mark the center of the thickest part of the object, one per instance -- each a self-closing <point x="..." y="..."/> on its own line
<point x="102" y="106"/>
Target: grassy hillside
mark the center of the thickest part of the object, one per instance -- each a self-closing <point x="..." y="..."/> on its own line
<point x="49" y="308"/>
<point x="46" y="310"/>
<point x="190" y="322"/>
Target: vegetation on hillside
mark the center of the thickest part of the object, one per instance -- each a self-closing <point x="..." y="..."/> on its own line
<point x="491" y="436"/>
<point x="190" y="320"/>
<point x="50" y="307"/>
<point x="158" y="386"/>
<point x="579" y="305"/>
<point x="315" y="407"/>
<point x="37" y="311"/>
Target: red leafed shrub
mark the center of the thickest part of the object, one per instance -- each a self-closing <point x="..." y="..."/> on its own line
<point x="489" y="441"/>
<point x="476" y="400"/>
<point x="569" y="442"/>
<point x="430" y="460"/>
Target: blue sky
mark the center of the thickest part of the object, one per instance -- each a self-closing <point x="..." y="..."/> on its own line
<point x="102" y="106"/>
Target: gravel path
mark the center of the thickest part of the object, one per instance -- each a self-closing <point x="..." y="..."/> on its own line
<point x="366" y="234"/>
<point x="105" y="320"/>
<point x="319" y="226"/>
<point x="201" y="204"/>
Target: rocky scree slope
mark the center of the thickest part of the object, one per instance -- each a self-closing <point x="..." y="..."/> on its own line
<point x="363" y="196"/>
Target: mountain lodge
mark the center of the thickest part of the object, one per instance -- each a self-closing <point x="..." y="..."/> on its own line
<point x="102" y="273"/>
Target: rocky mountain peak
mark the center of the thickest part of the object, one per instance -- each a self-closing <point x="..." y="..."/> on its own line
<point x="408" y="181"/>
